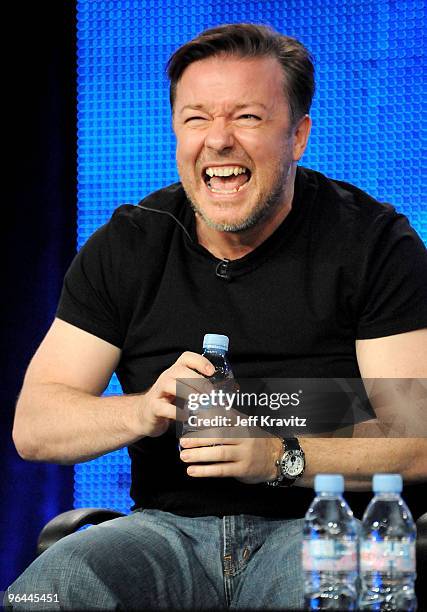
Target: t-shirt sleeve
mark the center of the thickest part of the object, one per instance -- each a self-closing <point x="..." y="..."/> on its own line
<point x="393" y="281"/>
<point x="89" y="297"/>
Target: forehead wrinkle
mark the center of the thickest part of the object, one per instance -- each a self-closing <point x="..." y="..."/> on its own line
<point x="235" y="107"/>
<point x="220" y="89"/>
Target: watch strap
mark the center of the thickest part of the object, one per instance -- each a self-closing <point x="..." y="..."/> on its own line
<point x="291" y="444"/>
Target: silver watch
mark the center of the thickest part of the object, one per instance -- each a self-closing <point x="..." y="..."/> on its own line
<point x="290" y="465"/>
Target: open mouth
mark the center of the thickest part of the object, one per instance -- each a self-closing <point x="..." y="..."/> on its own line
<point x="226" y="180"/>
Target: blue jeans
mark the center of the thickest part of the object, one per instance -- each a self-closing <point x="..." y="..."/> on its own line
<point x="156" y="560"/>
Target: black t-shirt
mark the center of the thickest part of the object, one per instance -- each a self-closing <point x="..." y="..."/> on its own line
<point x="340" y="267"/>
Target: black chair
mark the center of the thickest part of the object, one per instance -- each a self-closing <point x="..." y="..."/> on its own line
<point x="68" y="522"/>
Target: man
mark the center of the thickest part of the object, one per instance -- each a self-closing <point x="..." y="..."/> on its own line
<point x="309" y="277"/>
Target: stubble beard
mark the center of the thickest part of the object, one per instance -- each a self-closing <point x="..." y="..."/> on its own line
<point x="263" y="209"/>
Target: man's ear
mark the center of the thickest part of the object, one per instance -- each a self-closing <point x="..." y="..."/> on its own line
<point x="301" y="135"/>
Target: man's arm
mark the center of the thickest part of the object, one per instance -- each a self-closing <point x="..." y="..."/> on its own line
<point x="60" y="416"/>
<point x="399" y="356"/>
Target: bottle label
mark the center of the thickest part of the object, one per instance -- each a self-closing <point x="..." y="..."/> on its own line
<point x="326" y="555"/>
<point x="387" y="556"/>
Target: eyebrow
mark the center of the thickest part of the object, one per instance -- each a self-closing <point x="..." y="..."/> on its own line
<point x="235" y="108"/>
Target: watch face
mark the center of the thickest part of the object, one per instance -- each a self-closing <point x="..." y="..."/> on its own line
<point x="293" y="463"/>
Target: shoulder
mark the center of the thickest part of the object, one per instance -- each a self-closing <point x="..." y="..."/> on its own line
<point x="167" y="201"/>
<point x="351" y="210"/>
<point x="150" y="220"/>
<point x="341" y="195"/>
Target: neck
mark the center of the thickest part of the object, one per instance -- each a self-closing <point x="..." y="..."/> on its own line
<point x="234" y="245"/>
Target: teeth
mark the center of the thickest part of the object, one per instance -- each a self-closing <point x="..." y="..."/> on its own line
<point x="224" y="191"/>
<point x="225" y="170"/>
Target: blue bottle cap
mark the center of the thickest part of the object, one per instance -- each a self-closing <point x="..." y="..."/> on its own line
<point x="328" y="483"/>
<point x="387" y="483"/>
<point x="216" y="341"/>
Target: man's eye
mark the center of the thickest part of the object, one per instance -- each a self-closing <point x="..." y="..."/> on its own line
<point x="195" y="118"/>
<point x="249" y="117"/>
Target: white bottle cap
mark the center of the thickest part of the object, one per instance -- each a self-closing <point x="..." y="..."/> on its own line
<point x="216" y="341"/>
<point x="329" y="483"/>
<point x="387" y="483"/>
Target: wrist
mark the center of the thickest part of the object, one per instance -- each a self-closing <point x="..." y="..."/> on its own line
<point x="137" y="411"/>
<point x="290" y="465"/>
<point x="276" y="454"/>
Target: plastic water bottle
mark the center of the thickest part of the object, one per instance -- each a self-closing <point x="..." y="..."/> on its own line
<point x="387" y="549"/>
<point x="215" y="347"/>
<point x="330" y="548"/>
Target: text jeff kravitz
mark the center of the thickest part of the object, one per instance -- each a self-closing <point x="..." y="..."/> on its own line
<point x="249" y="421"/>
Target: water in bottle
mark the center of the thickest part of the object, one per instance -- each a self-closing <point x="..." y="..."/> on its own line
<point x="387" y="549"/>
<point x="330" y="548"/>
<point x="215" y="347"/>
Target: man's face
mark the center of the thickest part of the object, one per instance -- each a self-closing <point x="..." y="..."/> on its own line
<point x="235" y="143"/>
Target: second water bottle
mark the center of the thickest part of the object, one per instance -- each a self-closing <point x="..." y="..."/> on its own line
<point x="387" y="550"/>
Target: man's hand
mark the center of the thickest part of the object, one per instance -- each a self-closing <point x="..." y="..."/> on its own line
<point x="157" y="406"/>
<point x="248" y="459"/>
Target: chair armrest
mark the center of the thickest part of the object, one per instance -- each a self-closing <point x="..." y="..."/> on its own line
<point x="421" y="553"/>
<point x="69" y="522"/>
<point x="422" y="540"/>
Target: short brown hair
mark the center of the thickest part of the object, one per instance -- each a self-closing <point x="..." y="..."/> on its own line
<point x="250" y="40"/>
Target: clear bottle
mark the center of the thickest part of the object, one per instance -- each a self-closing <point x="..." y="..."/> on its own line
<point x="387" y="549"/>
<point x="330" y="548"/>
<point x="215" y="347"/>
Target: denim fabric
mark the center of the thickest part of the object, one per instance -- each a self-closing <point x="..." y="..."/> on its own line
<point x="156" y="560"/>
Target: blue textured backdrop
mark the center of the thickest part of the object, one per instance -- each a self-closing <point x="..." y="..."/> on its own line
<point x="369" y="116"/>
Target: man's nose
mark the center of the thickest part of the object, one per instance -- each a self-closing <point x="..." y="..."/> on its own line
<point x="219" y="135"/>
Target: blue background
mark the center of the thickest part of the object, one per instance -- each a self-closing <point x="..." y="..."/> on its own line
<point x="369" y="116"/>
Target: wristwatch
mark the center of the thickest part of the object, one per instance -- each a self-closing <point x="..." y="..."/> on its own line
<point x="290" y="465"/>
